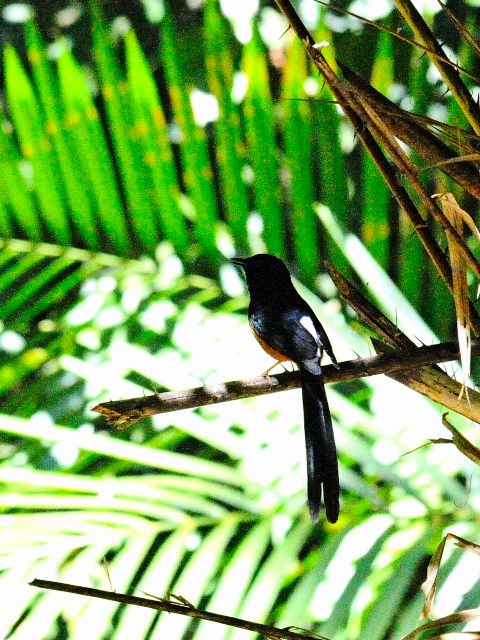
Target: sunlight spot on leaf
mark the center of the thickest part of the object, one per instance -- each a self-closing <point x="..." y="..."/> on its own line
<point x="231" y="281"/>
<point x="106" y="284"/>
<point x="64" y="453"/>
<point x="224" y="241"/>
<point x="175" y="134"/>
<point x="311" y="86"/>
<point x="247" y="174"/>
<point x="12" y="342"/>
<point x="408" y="508"/>
<point x="56" y="49"/>
<point x="347" y="137"/>
<point x="372" y="10"/>
<point x="205" y="107"/>
<point x="17" y="12"/>
<point x="170" y="266"/>
<point x="397" y="543"/>
<point x="280" y="526"/>
<point x="240" y="13"/>
<point x="272" y="25"/>
<point x="240" y="86"/>
<point x="132" y="297"/>
<point x="438" y="111"/>
<point x="193" y="541"/>
<point x="66" y="17"/>
<point x="110" y="317"/>
<point x="120" y="26"/>
<point x="309" y="11"/>
<point x="156" y="315"/>
<point x="89" y="338"/>
<point x="386" y="451"/>
<point x="154" y="10"/>
<point x="26" y="170"/>
<point x="428" y="6"/>
<point x="46" y="325"/>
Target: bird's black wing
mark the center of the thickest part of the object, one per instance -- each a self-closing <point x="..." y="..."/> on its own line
<point x="294" y="333"/>
<point x="290" y="332"/>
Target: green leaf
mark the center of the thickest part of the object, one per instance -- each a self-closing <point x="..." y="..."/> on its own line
<point x="262" y="148"/>
<point x="36" y="146"/>
<point x="297" y="122"/>
<point x="77" y="193"/>
<point x="134" y="171"/>
<point x="88" y="138"/>
<point x="197" y="171"/>
<point x="230" y="148"/>
<point x="151" y="129"/>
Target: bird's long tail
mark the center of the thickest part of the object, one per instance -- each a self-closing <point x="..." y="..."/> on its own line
<point x="322" y="464"/>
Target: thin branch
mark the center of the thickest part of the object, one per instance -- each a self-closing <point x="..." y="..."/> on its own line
<point x="357" y="116"/>
<point x="362" y="121"/>
<point x="382" y="133"/>
<point x="461" y="28"/>
<point x="166" y="605"/>
<point x="405" y="126"/>
<point x="463" y="444"/>
<point x="123" y="413"/>
<point x="450" y="76"/>
<point x="430" y="381"/>
<point x="400" y="36"/>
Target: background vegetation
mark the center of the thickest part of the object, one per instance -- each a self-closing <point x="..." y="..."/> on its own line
<point x="133" y="164"/>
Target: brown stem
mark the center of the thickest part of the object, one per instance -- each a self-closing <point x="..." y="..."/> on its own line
<point x="358" y="117"/>
<point x="450" y="76"/>
<point x="431" y="381"/>
<point x="123" y="413"/>
<point x="404" y="126"/>
<point x="171" y="607"/>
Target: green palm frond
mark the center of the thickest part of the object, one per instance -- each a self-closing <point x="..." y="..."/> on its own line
<point x="116" y="206"/>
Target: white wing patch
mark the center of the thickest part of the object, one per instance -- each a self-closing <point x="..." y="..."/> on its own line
<point x="307" y="324"/>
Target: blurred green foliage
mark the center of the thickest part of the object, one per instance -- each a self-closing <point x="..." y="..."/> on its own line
<point x="122" y="194"/>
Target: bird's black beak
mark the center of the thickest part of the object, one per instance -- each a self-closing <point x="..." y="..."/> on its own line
<point x="238" y="261"/>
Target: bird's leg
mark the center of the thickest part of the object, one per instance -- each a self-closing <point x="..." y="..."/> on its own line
<point x="265" y="374"/>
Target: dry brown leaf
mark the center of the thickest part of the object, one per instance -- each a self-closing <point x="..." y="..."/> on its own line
<point x="463" y="444"/>
<point x="429" y="587"/>
<point x="466" y="217"/>
<point x="461" y="617"/>
<point x="456" y="216"/>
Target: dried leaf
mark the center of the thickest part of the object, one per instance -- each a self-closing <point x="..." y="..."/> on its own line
<point x="461" y="617"/>
<point x="429" y="587"/>
<point x="465" y="158"/>
<point x="463" y="444"/>
<point x="456" y="216"/>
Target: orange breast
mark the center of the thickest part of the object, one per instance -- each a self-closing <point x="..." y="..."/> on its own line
<point x="266" y="347"/>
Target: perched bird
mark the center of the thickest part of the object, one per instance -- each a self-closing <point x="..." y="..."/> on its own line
<point x="287" y="329"/>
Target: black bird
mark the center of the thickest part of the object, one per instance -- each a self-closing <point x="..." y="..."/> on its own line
<point x="287" y="329"/>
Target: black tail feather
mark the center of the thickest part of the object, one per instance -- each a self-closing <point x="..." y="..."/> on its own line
<point x="322" y="463"/>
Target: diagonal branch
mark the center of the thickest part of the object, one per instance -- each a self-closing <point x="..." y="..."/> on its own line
<point x="450" y="76"/>
<point x="163" y="604"/>
<point x="430" y="381"/>
<point x="405" y="125"/>
<point x="123" y="413"/>
<point x="361" y="121"/>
